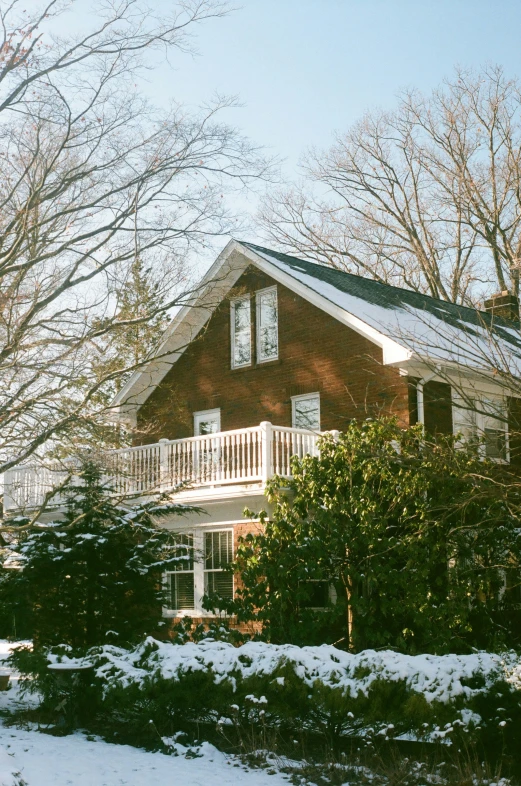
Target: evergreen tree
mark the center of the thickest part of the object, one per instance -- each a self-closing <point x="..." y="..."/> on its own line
<point x="399" y="542"/>
<point x="141" y="296"/>
<point x="98" y="571"/>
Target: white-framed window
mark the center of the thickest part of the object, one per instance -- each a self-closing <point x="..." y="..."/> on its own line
<point x="240" y="320"/>
<point x="180" y="579"/>
<point x="482" y="420"/>
<point x="267" y="324"/>
<point x="200" y="570"/>
<point x="218" y="553"/>
<point x="305" y="411"/>
<point x="207" y="421"/>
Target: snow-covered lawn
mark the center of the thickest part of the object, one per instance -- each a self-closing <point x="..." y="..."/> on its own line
<point x="44" y="760"/>
<point x="60" y="761"/>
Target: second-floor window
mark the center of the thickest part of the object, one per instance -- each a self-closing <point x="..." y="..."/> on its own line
<point x="306" y="411"/>
<point x="483" y="421"/>
<point x="241" y="332"/>
<point x="267" y="325"/>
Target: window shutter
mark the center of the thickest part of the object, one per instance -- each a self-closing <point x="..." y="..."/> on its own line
<point x="437" y="407"/>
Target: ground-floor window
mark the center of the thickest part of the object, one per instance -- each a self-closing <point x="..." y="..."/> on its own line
<point x="200" y="570"/>
<point x="318" y="594"/>
<point x="217" y="556"/>
<point x="181" y="579"/>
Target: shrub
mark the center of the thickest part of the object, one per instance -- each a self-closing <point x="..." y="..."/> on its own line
<point x="158" y="689"/>
<point x="418" y="541"/>
<point x="95" y="575"/>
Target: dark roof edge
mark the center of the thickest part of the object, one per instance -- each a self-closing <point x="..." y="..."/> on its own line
<point x="497" y="319"/>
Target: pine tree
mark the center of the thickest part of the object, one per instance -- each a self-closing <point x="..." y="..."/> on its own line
<point x="142" y="298"/>
<point x="98" y="572"/>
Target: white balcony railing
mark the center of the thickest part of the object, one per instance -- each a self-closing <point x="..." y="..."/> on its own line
<point x="243" y="456"/>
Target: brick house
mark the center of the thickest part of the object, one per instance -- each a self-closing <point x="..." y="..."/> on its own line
<point x="273" y="350"/>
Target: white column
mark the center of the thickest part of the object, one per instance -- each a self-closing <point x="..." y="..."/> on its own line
<point x="198" y="571"/>
<point x="266" y="432"/>
<point x="419" y="402"/>
<point x="163" y="463"/>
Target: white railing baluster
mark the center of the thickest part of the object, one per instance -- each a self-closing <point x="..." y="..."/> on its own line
<point x="244" y="455"/>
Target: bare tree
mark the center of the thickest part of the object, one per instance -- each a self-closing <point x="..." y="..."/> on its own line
<point x="92" y="178"/>
<point x="427" y="196"/>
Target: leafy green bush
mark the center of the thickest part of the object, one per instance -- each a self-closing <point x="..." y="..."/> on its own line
<point x="418" y="542"/>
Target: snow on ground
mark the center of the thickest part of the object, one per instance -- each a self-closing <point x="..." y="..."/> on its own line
<point x="59" y="761"/>
<point x="44" y="760"/>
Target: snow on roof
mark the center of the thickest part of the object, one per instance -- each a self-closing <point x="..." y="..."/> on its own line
<point x="430" y="328"/>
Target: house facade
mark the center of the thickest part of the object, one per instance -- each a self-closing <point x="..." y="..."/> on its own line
<point x="272" y="351"/>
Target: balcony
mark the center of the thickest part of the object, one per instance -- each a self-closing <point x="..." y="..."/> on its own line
<point x="244" y="457"/>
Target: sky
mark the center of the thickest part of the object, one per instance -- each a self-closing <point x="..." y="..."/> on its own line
<point x="307" y="69"/>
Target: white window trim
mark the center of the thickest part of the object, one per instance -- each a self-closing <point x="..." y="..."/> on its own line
<point x="168" y="612"/>
<point x="206" y="413"/>
<point x="199" y="574"/>
<point x="480" y="418"/>
<point x="232" y="332"/>
<point x="303" y="396"/>
<point x="257" y="324"/>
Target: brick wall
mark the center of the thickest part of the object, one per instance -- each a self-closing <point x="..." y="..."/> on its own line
<point x="316" y="353"/>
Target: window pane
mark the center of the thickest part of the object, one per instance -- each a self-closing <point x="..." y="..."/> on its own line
<point x="184" y="552"/>
<point x="486" y="423"/>
<point x="219" y="583"/>
<point x="181" y="591"/>
<point x="464" y="419"/>
<point x="267" y="321"/>
<point x="317" y="593"/>
<point x="241" y="339"/>
<point x="494" y="428"/>
<point x="306" y="413"/>
<point x="210" y="426"/>
<point x="495" y="443"/>
<point x="218" y="549"/>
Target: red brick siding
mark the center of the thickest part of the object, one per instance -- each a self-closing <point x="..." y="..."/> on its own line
<point x="316" y="353"/>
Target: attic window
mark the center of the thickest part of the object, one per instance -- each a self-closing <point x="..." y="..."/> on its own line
<point x="241" y="332"/>
<point x="267" y="325"/>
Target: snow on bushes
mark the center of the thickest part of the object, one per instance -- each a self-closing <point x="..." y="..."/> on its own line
<point x="441" y="678"/>
<point x="317" y="689"/>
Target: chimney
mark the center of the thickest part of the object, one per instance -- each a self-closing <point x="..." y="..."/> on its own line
<point x="504" y="304"/>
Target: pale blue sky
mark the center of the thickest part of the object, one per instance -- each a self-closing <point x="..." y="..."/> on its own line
<point x="307" y="68"/>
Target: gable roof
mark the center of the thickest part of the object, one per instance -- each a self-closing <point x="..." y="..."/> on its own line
<point x="406" y="325"/>
<point x="427" y="326"/>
